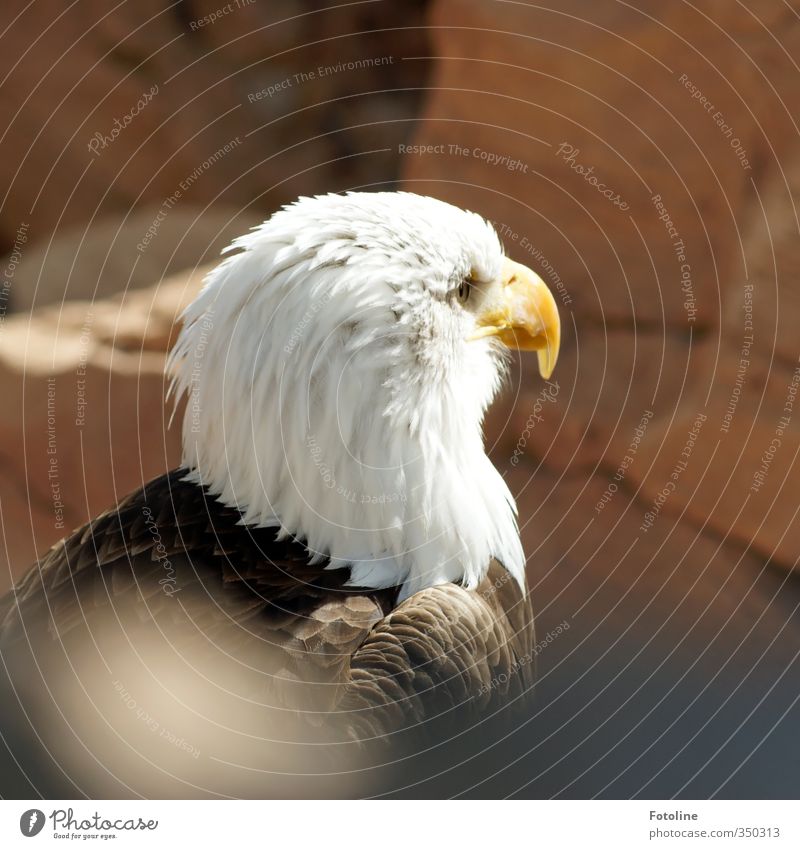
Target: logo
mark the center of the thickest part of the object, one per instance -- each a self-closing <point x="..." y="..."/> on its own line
<point x="31" y="822"/>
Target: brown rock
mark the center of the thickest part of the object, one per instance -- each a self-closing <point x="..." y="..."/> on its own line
<point x="178" y="107"/>
<point x="603" y="384"/>
<point x="107" y="256"/>
<point x="84" y="418"/>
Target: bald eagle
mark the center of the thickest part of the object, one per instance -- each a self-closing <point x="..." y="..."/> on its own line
<point x="335" y="570"/>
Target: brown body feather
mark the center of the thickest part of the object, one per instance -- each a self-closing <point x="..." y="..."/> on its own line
<point x="166" y="649"/>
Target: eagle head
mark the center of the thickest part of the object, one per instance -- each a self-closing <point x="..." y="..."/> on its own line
<point x="337" y="367"/>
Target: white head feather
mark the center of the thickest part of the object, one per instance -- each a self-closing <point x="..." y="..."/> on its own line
<point x="332" y="392"/>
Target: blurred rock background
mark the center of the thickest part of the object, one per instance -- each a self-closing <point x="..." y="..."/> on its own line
<point x="643" y="159"/>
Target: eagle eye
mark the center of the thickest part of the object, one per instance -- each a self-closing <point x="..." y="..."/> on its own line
<point x="464" y="291"/>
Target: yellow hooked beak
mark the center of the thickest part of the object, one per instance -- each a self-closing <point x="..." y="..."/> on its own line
<point x="522" y="313"/>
